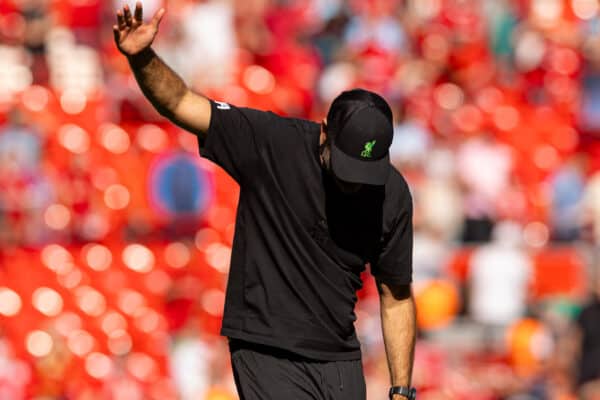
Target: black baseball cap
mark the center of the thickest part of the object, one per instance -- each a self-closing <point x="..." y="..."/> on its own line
<point x="360" y="144"/>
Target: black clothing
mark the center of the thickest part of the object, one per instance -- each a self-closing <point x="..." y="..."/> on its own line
<point x="300" y="244"/>
<point x="477" y="230"/>
<point x="268" y="373"/>
<point x="359" y="151"/>
<point x="589" y="323"/>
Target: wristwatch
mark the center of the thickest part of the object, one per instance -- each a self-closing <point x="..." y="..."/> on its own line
<point x="409" y="393"/>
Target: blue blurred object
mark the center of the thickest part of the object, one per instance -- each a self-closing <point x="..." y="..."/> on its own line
<point x="590" y="117"/>
<point x="20" y="144"/>
<point x="567" y="187"/>
<point x="180" y="186"/>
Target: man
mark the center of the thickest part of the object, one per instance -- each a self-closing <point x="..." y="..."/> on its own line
<point x="317" y="203"/>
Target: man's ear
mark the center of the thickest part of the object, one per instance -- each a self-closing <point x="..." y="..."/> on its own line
<point x="323" y="136"/>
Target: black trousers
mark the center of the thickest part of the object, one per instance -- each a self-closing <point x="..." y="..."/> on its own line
<point x="267" y="373"/>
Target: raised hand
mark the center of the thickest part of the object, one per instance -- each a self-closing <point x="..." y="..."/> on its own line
<point x="132" y="35"/>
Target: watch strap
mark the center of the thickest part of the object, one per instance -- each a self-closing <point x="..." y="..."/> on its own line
<point x="409" y="393"/>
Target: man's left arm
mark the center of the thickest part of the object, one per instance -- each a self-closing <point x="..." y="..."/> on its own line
<point x="398" y="322"/>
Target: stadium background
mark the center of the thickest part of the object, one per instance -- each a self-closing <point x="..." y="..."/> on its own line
<point x="115" y="236"/>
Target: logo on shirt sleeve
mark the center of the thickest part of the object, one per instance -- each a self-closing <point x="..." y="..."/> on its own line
<point x="222" y="106"/>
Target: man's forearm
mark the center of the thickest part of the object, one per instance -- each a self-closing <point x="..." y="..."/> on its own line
<point x="159" y="83"/>
<point x="398" y="321"/>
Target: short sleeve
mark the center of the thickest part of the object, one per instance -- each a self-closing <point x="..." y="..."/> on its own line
<point x="235" y="138"/>
<point x="394" y="263"/>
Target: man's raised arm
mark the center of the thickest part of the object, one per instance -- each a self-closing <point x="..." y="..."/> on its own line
<point x="160" y="84"/>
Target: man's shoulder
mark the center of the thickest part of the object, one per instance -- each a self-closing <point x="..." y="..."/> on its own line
<point x="303" y="125"/>
<point x="286" y="126"/>
<point x="398" y="198"/>
<point x="282" y="121"/>
<point x="276" y="129"/>
<point x="396" y="186"/>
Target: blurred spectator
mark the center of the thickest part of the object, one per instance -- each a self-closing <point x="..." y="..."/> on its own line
<point x="439" y="226"/>
<point x="591" y="205"/>
<point x="25" y="192"/>
<point x="411" y="142"/>
<point x="374" y="25"/>
<point x="429" y="255"/>
<point x="567" y="185"/>
<point x="328" y="40"/>
<point x="52" y="369"/>
<point x="440" y="187"/>
<point x="499" y="275"/>
<point x="588" y="377"/>
<point x="190" y="46"/>
<point x="190" y="364"/>
<point x="38" y="22"/>
<point x="484" y="166"/>
<point x="15" y="374"/>
<point x="75" y="192"/>
<point x="20" y="142"/>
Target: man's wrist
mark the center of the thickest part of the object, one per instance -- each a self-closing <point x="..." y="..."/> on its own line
<point x="142" y="58"/>
<point x="402" y="393"/>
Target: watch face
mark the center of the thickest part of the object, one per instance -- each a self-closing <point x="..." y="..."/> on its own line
<point x="413" y="394"/>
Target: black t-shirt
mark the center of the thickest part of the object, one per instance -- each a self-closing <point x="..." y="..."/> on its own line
<point x="300" y="244"/>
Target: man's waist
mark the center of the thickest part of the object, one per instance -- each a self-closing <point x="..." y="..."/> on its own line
<point x="315" y="349"/>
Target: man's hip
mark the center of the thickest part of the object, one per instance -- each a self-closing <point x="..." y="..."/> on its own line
<point x="264" y="372"/>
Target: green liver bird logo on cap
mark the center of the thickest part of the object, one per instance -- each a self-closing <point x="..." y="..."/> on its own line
<point x="366" y="153"/>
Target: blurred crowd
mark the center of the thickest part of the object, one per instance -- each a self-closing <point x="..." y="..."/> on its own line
<point x="115" y="236"/>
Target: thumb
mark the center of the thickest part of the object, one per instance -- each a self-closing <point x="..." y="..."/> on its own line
<point x="158" y="17"/>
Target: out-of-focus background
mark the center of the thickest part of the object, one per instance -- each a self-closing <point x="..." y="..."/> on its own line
<point x="115" y="236"/>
